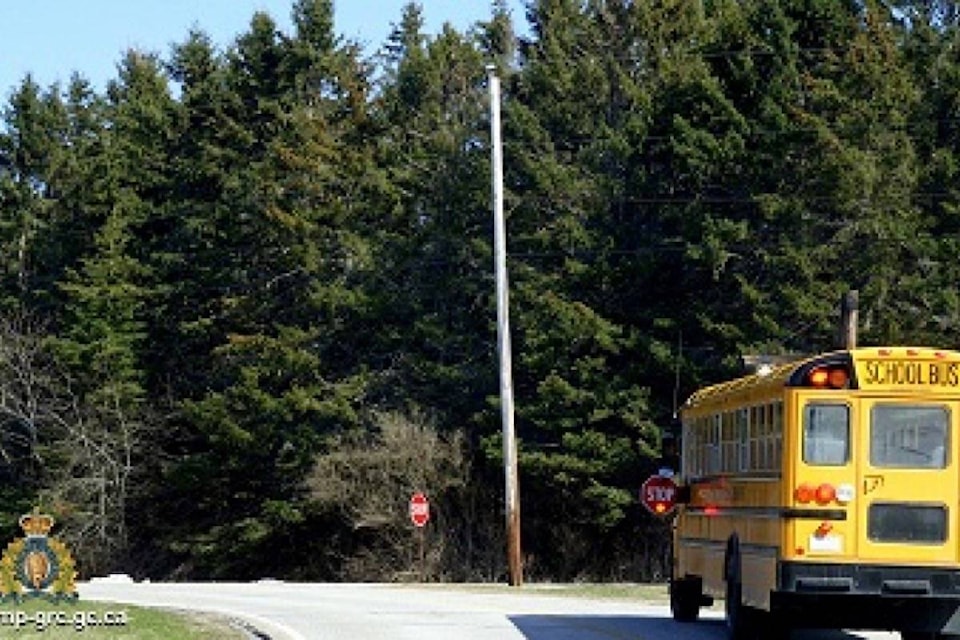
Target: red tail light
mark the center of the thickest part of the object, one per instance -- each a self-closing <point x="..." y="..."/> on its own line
<point x="804" y="493"/>
<point x="825" y="494"/>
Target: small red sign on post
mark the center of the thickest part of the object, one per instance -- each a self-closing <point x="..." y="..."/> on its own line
<point x="659" y="495"/>
<point x="419" y="509"/>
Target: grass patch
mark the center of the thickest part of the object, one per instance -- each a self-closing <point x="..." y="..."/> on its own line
<point x="652" y="593"/>
<point x="644" y="593"/>
<point x="36" y="618"/>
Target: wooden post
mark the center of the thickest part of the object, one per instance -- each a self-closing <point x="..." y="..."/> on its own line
<point x="512" y="490"/>
<point x="849" y="306"/>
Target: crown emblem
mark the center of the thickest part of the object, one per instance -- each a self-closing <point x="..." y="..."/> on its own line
<point x="36" y="523"/>
<point x="37" y="565"/>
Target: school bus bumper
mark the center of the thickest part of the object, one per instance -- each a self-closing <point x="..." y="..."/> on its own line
<point x="867" y="596"/>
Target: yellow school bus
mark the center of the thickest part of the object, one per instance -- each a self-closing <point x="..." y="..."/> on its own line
<point x="824" y="493"/>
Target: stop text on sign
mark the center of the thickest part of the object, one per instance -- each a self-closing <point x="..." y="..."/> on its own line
<point x="659" y="495"/>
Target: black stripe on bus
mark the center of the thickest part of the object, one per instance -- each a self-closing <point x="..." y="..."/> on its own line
<point x="787" y="513"/>
<point x="815" y="514"/>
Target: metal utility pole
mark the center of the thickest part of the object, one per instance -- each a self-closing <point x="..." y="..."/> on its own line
<point x="849" y="307"/>
<point x="512" y="499"/>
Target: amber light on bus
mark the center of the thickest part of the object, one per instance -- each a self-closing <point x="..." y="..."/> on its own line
<point x="825" y="494"/>
<point x="804" y="493"/>
<point x="828" y="378"/>
<point x="822" y="494"/>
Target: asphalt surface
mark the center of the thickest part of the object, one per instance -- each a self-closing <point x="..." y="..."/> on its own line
<point x="289" y="611"/>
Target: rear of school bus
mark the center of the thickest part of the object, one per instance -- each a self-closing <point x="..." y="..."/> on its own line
<point x="872" y="493"/>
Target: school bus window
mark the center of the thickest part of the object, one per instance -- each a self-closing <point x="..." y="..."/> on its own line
<point x="693" y="449"/>
<point x="911" y="437"/>
<point x="767" y="444"/>
<point x="713" y="447"/>
<point x="692" y="444"/>
<point x="826" y="434"/>
<point x="700" y="442"/>
<point x="743" y="444"/>
<point x="724" y="442"/>
<point x="777" y="426"/>
<point x="703" y="444"/>
<point x="728" y="443"/>
<point x="733" y="442"/>
<point x="918" y="524"/>
<point x="770" y="439"/>
<point x="763" y="458"/>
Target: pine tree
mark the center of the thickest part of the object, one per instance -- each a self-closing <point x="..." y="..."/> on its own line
<point x="29" y="151"/>
<point x="433" y="245"/>
<point x="579" y="113"/>
<point x="104" y="322"/>
<point x="276" y="263"/>
<point x="929" y="46"/>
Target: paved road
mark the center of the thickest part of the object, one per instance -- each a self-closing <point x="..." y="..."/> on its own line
<point x="386" y="612"/>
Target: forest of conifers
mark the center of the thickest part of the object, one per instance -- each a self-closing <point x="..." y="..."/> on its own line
<point x="247" y="303"/>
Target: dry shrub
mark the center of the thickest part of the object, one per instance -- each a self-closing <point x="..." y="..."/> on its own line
<point x="368" y="480"/>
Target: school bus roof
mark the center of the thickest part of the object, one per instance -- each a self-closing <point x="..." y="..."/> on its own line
<point x="881" y="368"/>
<point x="765" y="378"/>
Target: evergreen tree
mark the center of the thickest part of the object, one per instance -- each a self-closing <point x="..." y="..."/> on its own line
<point x="101" y="343"/>
<point x="269" y="237"/>
<point x="29" y="151"/>
<point x="104" y="322"/>
<point x="883" y="229"/>
<point x="78" y="184"/>
<point x="931" y="51"/>
<point x="579" y="112"/>
<point x="434" y="253"/>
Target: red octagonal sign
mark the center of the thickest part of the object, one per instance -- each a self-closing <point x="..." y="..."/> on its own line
<point x="659" y="495"/>
<point x="419" y="509"/>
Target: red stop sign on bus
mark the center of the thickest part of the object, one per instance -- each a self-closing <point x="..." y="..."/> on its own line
<point x="419" y="509"/>
<point x="659" y="495"/>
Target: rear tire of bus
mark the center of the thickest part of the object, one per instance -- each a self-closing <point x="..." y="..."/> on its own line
<point x="685" y="596"/>
<point x="741" y="620"/>
<point x="774" y="626"/>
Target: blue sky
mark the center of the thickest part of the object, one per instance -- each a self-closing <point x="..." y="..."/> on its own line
<point x="53" y="38"/>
